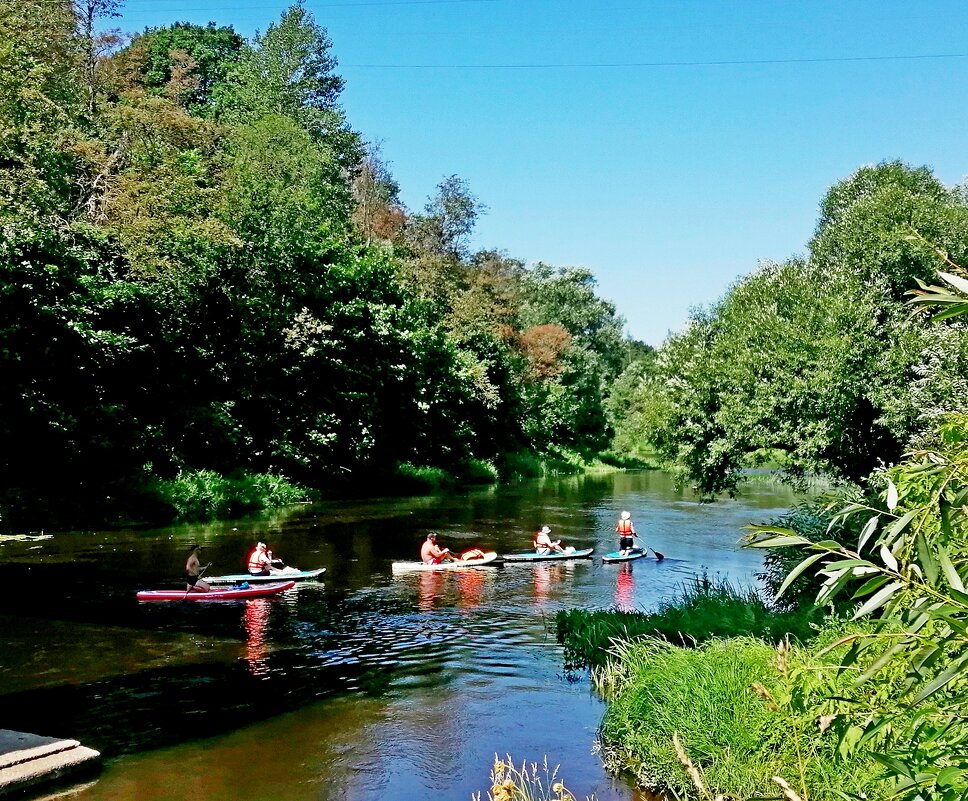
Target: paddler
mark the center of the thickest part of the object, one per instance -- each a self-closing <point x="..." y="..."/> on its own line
<point x="194" y="570"/>
<point x="261" y="562"/>
<point x="626" y="534"/>
<point x="543" y="543"/>
<point x="433" y="554"/>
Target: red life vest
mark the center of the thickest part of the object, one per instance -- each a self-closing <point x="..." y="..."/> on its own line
<point x="624" y="528"/>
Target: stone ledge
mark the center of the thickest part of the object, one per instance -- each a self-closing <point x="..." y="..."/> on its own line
<point x="27" y="760"/>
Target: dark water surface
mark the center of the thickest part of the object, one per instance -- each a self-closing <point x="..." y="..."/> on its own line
<point x="363" y="686"/>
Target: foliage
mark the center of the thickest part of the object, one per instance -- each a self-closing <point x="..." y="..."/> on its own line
<point x="703" y="609"/>
<point x="814" y="358"/>
<point x="204" y="494"/>
<point x="203" y="272"/>
<point x="907" y="570"/>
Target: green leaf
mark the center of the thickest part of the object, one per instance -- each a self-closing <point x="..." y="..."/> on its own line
<point x="878" y="599"/>
<point x="928" y="563"/>
<point x="869" y="528"/>
<point x="891" y="495"/>
<point x="893" y="530"/>
<point x="888" y="558"/>
<point x="870" y="585"/>
<point x="940" y="681"/>
<point x="780" y="542"/>
<point x="956" y="281"/>
<point x="949" y="570"/>
<point x="797" y="571"/>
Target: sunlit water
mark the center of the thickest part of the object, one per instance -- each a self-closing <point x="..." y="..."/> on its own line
<point x="366" y="685"/>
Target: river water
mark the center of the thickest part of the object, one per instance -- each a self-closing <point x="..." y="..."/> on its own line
<point x="365" y="685"/>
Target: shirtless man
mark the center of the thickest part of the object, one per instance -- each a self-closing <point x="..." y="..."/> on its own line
<point x="194" y="570"/>
<point x="433" y="554"/>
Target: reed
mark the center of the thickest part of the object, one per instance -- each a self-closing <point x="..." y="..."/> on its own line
<point x="531" y="782"/>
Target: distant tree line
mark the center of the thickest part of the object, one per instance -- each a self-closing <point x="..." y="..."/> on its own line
<point x="206" y="271"/>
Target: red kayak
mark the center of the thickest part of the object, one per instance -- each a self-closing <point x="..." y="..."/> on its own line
<point x="216" y="593"/>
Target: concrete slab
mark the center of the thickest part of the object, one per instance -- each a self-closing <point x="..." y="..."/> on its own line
<point x="28" y="760"/>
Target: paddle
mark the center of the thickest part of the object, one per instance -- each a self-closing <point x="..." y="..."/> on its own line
<point x="658" y="556"/>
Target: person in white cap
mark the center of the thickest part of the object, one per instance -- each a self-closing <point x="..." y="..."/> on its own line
<point x="261" y="562"/>
<point x="543" y="543"/>
<point x="626" y="533"/>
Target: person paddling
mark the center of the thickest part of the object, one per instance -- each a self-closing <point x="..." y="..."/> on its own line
<point x="194" y="570"/>
<point x="543" y="543"/>
<point x="626" y="534"/>
<point x="261" y="561"/>
<point x="433" y="554"/>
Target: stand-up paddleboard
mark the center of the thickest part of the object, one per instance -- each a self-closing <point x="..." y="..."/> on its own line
<point x="407" y="567"/>
<point x="534" y="556"/>
<point x="618" y="556"/>
<point x="217" y="594"/>
<point x="286" y="575"/>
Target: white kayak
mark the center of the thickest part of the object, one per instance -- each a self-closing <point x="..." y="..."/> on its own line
<point x="285" y="575"/>
<point x="457" y="564"/>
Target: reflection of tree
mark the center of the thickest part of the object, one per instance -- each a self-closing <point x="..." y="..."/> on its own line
<point x="430" y="584"/>
<point x="470" y="587"/>
<point x="625" y="587"/>
<point x="256" y="627"/>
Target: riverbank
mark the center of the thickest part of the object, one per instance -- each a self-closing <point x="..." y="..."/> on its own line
<point x="739" y="686"/>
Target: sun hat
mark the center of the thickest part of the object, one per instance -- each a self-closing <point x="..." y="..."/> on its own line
<point x="545" y="530"/>
<point x="626" y="515"/>
<point x="261" y="545"/>
<point x="432" y="534"/>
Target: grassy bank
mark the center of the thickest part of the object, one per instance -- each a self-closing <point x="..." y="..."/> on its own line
<point x="743" y="713"/>
<point x="702" y="609"/>
<point x="742" y="686"/>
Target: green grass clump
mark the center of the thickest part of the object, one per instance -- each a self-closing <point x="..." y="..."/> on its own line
<point x="206" y="495"/>
<point x="743" y="711"/>
<point x="419" y="479"/>
<point x="703" y="609"/>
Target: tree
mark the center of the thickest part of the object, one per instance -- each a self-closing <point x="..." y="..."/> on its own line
<point x="194" y="58"/>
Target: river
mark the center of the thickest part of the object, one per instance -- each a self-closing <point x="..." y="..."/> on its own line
<point x="365" y="685"/>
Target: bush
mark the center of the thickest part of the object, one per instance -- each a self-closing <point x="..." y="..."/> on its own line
<point x="206" y="495"/>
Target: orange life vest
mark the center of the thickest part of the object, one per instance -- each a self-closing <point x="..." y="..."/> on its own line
<point x="624" y="528"/>
<point x="256" y="563"/>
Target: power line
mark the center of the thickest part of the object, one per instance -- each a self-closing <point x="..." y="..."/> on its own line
<point x="313" y="5"/>
<point x="646" y="64"/>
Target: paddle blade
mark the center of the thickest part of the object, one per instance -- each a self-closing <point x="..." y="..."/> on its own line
<point x="658" y="556"/>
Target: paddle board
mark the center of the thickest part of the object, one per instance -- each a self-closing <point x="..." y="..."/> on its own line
<point x="616" y="556"/>
<point x="406" y="567"/>
<point x="532" y="556"/>
<point x="217" y="594"/>
<point x="238" y="578"/>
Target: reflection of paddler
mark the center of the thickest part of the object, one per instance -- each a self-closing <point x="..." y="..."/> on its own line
<point x="542" y="581"/>
<point x="256" y="626"/>
<point x="625" y="587"/>
<point x="430" y="585"/>
<point x="470" y="586"/>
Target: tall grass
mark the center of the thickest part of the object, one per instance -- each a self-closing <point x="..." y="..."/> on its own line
<point x="703" y="608"/>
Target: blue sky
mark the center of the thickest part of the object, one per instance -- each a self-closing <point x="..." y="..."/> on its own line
<point x="600" y="133"/>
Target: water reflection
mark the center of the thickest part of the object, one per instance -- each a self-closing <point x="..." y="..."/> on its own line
<point x="430" y="589"/>
<point x="256" y="620"/>
<point x="625" y="587"/>
<point x="470" y="588"/>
